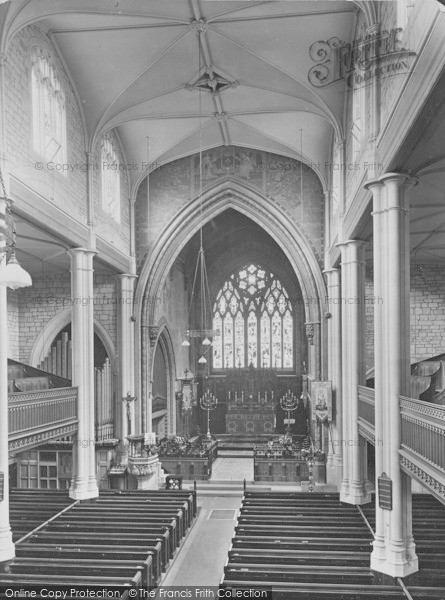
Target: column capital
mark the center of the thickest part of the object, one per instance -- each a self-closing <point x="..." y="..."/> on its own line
<point x="373" y="183"/>
<point x="332" y="270"/>
<point x="399" y="178"/>
<point x="352" y="243"/>
<point x="123" y="276"/>
<point x="81" y="250"/>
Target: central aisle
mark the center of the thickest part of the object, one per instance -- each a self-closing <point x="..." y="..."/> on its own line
<point x="236" y="469"/>
<point x="204" y="552"/>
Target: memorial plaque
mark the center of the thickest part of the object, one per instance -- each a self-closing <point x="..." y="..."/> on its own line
<point x="385" y="492"/>
<point x="2" y="486"/>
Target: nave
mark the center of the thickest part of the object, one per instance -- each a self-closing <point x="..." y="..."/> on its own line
<point x="299" y="545"/>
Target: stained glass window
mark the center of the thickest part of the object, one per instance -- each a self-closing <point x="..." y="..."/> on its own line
<point x="253" y="322"/>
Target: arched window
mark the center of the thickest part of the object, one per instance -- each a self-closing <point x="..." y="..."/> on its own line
<point x="48" y="109"/>
<point x="111" y="181"/>
<point x="253" y="322"/>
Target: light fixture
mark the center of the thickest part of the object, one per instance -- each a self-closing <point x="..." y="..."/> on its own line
<point x="203" y="307"/>
<point x="12" y="275"/>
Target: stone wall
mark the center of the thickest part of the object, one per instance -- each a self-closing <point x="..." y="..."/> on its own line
<point x="427" y="311"/>
<point x="13" y="325"/>
<point x="427" y="314"/>
<point x="31" y="309"/>
<point x="289" y="184"/>
<point x="62" y="184"/>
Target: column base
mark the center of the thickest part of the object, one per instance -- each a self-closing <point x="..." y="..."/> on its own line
<point x="393" y="562"/>
<point x="355" y="495"/>
<point x="92" y="487"/>
<point x="81" y="490"/>
<point x="7" y="547"/>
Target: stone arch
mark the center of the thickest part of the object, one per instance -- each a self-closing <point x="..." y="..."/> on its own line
<point x="51" y="329"/>
<point x="164" y="343"/>
<point x="274" y="220"/>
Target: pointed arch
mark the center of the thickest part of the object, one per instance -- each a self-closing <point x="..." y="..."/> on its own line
<point x="269" y="215"/>
<point x="49" y="332"/>
<point x="165" y="345"/>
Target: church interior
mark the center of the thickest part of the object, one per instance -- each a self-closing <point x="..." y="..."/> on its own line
<point x="222" y="298"/>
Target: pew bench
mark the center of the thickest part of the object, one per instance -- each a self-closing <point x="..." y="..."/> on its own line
<point x="296" y="557"/>
<point x="264" y="574"/>
<point x="317" y="591"/>
<point x="125" y="569"/>
<point x="152" y="556"/>
<point x="114" y="539"/>
<point x="153" y="526"/>
<point x="319" y="544"/>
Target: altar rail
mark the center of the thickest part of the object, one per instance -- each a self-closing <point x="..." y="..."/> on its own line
<point x="37" y="417"/>
<point x="422" y="453"/>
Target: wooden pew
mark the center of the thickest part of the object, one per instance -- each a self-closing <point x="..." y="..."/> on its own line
<point x="106" y="539"/>
<point x="152" y="557"/>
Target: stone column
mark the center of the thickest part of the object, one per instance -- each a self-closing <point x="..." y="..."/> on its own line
<point x="333" y="306"/>
<point x="7" y="550"/>
<point x="84" y="483"/>
<point x="353" y="490"/>
<point x="394" y="549"/>
<point x="126" y="357"/>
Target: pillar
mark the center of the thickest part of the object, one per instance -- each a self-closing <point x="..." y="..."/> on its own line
<point x="333" y="306"/>
<point x="394" y="549"/>
<point x="353" y="488"/>
<point x="126" y="358"/>
<point x="84" y="483"/>
<point x="7" y="550"/>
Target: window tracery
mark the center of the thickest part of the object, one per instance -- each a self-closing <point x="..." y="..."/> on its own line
<point x="253" y="321"/>
<point x="48" y="109"/>
<point x="111" y="183"/>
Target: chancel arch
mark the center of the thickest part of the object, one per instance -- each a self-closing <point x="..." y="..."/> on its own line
<point x="265" y="213"/>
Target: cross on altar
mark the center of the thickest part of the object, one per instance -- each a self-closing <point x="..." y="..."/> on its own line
<point x="186" y="371"/>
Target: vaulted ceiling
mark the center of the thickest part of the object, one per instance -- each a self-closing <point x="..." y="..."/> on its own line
<point x="179" y="75"/>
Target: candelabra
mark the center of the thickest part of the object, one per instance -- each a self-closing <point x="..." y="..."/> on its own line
<point x="289" y="403"/>
<point x="208" y="402"/>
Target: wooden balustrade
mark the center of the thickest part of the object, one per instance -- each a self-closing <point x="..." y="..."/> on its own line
<point x="422" y="453"/>
<point x="41" y="415"/>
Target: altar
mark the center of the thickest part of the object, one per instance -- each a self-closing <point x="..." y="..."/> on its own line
<point x="247" y="414"/>
<point x="251" y="404"/>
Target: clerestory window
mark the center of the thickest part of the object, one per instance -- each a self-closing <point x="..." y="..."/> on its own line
<point x="48" y="109"/>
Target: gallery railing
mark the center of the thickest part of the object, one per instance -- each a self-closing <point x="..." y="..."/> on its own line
<point x="39" y="416"/>
<point x="422" y="453"/>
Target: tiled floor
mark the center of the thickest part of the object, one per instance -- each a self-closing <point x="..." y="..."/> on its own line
<point x="237" y="469"/>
